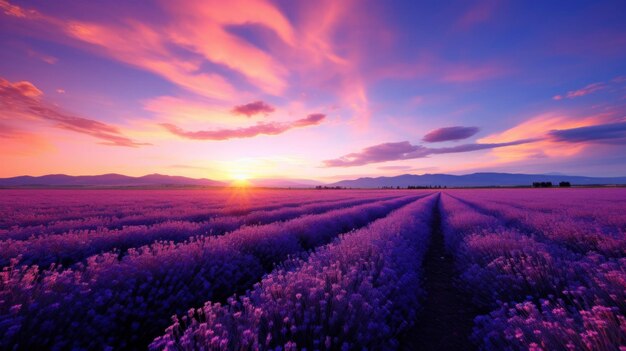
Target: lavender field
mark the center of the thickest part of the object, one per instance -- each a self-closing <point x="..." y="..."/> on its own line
<point x="261" y="269"/>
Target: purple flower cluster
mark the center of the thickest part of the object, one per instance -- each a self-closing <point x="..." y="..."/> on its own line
<point x="549" y="288"/>
<point x="553" y="325"/>
<point x="359" y="292"/>
<point x="123" y="302"/>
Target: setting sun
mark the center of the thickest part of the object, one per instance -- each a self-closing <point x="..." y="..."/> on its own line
<point x="240" y="180"/>
<point x="240" y="177"/>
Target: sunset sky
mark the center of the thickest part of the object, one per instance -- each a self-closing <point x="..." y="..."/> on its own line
<point x="321" y="90"/>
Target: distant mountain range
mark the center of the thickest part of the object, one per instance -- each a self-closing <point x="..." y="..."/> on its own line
<point x="105" y="180"/>
<point x="474" y="180"/>
<point x="150" y="180"/>
<point x="159" y="180"/>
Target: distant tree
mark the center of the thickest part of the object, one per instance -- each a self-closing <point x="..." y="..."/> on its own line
<point x="565" y="184"/>
<point x="542" y="184"/>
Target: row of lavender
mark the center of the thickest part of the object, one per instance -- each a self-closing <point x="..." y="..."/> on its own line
<point x="68" y="209"/>
<point x="26" y="213"/>
<point x="123" y="302"/>
<point x="76" y="245"/>
<point x="547" y="284"/>
<point x="582" y="220"/>
<point x="360" y="292"/>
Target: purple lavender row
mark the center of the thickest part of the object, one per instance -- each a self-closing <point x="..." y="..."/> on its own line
<point x="24" y="208"/>
<point x="578" y="235"/>
<point x="542" y="295"/>
<point x="189" y="212"/>
<point x="75" y="246"/>
<point x="123" y="304"/>
<point x="359" y="292"/>
<point x="595" y="205"/>
<point x="507" y="264"/>
<point x="41" y="207"/>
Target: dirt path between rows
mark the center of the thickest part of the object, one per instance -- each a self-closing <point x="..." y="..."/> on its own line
<point x="446" y="320"/>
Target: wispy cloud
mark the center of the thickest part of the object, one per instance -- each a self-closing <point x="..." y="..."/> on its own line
<point x="450" y="134"/>
<point x="591" y="88"/>
<point x="404" y="150"/>
<point x="559" y="136"/>
<point x="480" y="12"/>
<point x="14" y="10"/>
<point x="247" y="132"/>
<point x="253" y="108"/>
<point x="51" y="60"/>
<point x="25" y="99"/>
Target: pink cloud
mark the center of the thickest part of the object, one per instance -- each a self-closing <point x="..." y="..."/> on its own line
<point x="253" y="108"/>
<point x="591" y="88"/>
<point x="13" y="10"/>
<point x="146" y="47"/>
<point x="306" y="52"/>
<point x="247" y="132"/>
<point x="24" y="99"/>
<point x="194" y="21"/>
<point x="177" y="48"/>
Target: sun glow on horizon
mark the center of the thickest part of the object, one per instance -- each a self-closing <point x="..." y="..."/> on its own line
<point x="240" y="177"/>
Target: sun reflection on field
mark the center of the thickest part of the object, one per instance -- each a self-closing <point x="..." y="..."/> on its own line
<point x="240" y="192"/>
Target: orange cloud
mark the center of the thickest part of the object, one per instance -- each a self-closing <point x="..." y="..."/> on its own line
<point x="198" y="47"/>
<point x="196" y="21"/>
<point x="539" y="127"/>
<point x="23" y="99"/>
<point x="14" y="11"/>
<point x="140" y="45"/>
<point x="247" y="132"/>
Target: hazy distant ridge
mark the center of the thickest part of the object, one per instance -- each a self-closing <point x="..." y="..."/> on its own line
<point x="63" y="180"/>
<point x="474" y="179"/>
<point x="467" y="180"/>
